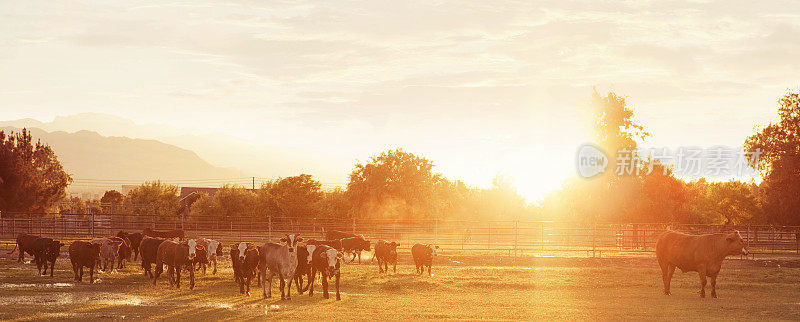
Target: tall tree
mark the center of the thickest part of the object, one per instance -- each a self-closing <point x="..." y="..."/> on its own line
<point x="33" y="179"/>
<point x="395" y="184"/>
<point x="154" y="197"/>
<point x="296" y="196"/>
<point x="779" y="162"/>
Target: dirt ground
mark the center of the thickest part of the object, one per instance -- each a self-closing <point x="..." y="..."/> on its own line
<point x="462" y="287"/>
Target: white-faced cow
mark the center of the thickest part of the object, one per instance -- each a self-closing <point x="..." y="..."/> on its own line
<point x="213" y="249"/>
<point x="328" y="262"/>
<point x="280" y="260"/>
<point x="175" y="255"/>
<point x="696" y="253"/>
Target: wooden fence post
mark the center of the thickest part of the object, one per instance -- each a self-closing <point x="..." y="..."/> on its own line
<point x="92" y="228"/>
<point x="269" y="236"/>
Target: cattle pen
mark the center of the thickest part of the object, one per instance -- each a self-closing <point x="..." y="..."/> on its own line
<point x="510" y="237"/>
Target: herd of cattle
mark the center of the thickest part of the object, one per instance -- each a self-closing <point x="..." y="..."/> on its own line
<point x="294" y="257"/>
<point x="290" y="260"/>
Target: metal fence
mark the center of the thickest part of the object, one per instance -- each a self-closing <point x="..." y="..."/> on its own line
<point x="513" y="237"/>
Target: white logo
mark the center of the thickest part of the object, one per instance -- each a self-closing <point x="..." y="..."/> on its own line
<point x="590" y="161"/>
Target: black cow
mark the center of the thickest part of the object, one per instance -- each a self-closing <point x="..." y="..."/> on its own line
<point x="135" y="241"/>
<point x="328" y="262"/>
<point x="149" y="249"/>
<point x="46" y="250"/>
<point x="423" y="256"/>
<point x="354" y="245"/>
<point x="386" y="253"/>
<point x="25" y="244"/>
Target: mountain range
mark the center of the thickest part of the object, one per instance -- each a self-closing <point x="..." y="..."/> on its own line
<point x="103" y="151"/>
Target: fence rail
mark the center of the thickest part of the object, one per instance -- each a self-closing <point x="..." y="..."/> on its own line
<point x="513" y="237"/>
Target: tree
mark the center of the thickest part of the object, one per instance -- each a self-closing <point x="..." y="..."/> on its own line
<point x="158" y="198"/>
<point x="33" y="178"/>
<point x="395" y="184"/>
<point x="615" y="129"/>
<point x="779" y="162"/>
<point x="112" y="197"/>
<point x="335" y="204"/>
<point x="296" y="197"/>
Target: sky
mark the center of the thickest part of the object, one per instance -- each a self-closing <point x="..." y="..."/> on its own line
<point x="482" y="88"/>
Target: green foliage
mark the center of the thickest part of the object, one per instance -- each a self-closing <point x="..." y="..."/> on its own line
<point x="33" y="179"/>
<point x="779" y="162"/>
<point x="229" y="201"/>
<point x="112" y="197"/>
<point x="157" y="198"/>
<point x="296" y="197"/>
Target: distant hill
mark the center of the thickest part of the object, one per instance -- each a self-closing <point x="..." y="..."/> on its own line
<point x="259" y="159"/>
<point x="89" y="155"/>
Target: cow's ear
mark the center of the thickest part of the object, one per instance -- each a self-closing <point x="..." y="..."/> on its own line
<point x="283" y="239"/>
<point x="298" y="239"/>
<point x="323" y="254"/>
<point x="61" y="244"/>
<point x="437" y="247"/>
<point x="731" y="237"/>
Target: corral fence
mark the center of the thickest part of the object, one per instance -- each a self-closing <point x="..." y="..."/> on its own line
<point x="518" y="237"/>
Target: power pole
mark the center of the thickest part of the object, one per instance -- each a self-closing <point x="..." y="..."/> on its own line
<point x="254" y="183"/>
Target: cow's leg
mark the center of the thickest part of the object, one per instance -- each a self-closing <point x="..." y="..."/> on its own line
<point x="158" y="272"/>
<point x="713" y="285"/>
<point x="311" y="281"/>
<point x="665" y="267"/>
<point x="298" y="281"/>
<point x="91" y="274"/>
<point x="215" y="266"/>
<point x="191" y="280"/>
<point x="135" y="254"/>
<point x="283" y="284"/>
<point x="324" y="276"/>
<point x="702" y="273"/>
<point x="338" y="297"/>
<point x="394" y="269"/>
<point x="380" y="267"/>
<point x="178" y="277"/>
<point x="52" y="266"/>
<point x="429" y="269"/>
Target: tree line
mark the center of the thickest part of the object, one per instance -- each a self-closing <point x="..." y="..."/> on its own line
<point x="397" y="184"/>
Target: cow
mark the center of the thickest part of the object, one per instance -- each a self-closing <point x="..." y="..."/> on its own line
<point x="175" y="255"/>
<point x="303" y="267"/>
<point x="135" y="239"/>
<point x="280" y="260"/>
<point x="124" y="252"/>
<point x="214" y="249"/>
<point x="335" y="243"/>
<point x="354" y="245"/>
<point x="237" y="256"/>
<point x="149" y="250"/>
<point x="386" y="253"/>
<point x="25" y="245"/>
<point x="46" y="250"/>
<point x="177" y="233"/>
<point x="200" y="258"/>
<point x="248" y="268"/>
<point x="336" y="234"/>
<point x="328" y="262"/>
<point x="696" y="253"/>
<point x="109" y="249"/>
<point x="423" y="256"/>
<point x="83" y="254"/>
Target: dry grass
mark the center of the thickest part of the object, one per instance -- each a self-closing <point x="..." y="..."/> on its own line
<point x="461" y="288"/>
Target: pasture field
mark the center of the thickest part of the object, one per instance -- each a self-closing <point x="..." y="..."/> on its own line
<point x="463" y="287"/>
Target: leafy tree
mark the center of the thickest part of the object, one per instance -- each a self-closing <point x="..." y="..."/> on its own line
<point x="112" y="197"/>
<point x="230" y="201"/>
<point x="779" y="162"/>
<point x="158" y="198"/>
<point x="295" y="197"/>
<point x="395" y="184"/>
<point x="614" y="127"/>
<point x="335" y="204"/>
<point x="33" y="179"/>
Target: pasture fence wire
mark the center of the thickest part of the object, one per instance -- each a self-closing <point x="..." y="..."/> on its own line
<point x="512" y="237"/>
